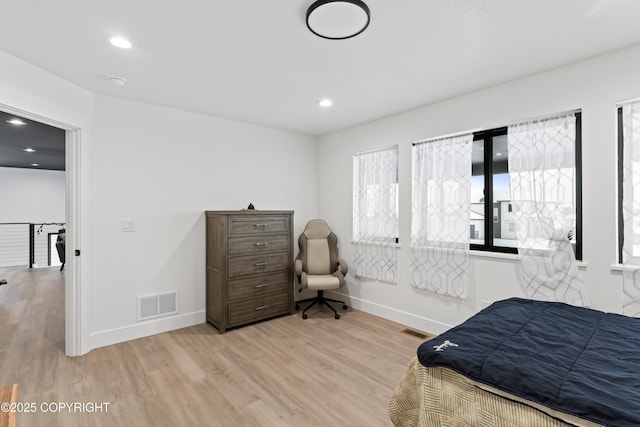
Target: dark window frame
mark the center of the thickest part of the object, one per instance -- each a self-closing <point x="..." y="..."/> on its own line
<point x="487" y="136"/>
<point x="620" y="188"/>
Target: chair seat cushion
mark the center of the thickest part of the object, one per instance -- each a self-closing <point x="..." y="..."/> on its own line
<point x="323" y="281"/>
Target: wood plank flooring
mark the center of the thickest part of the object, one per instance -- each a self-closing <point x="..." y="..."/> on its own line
<point x="283" y="372"/>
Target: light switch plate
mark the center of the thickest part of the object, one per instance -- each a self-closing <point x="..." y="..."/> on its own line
<point x="127" y="225"/>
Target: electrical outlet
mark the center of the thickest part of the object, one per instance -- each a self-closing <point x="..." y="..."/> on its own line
<point x="127" y="225"/>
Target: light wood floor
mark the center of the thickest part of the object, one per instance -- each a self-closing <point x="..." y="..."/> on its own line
<point x="283" y="372"/>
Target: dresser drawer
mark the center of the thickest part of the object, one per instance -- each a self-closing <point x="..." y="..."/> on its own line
<point x="258" y="224"/>
<point x="267" y="284"/>
<point x="257" y="308"/>
<point x="258" y="244"/>
<point x="258" y="264"/>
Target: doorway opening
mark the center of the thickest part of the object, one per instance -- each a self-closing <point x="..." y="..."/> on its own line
<point x="62" y="201"/>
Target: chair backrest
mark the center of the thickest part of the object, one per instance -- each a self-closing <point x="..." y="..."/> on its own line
<point x="318" y="248"/>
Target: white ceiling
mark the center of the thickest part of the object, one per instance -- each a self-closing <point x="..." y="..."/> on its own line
<point x="255" y="60"/>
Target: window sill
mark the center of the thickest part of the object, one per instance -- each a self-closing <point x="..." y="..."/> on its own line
<point x="498" y="255"/>
<point x="622" y="267"/>
<point x="582" y="265"/>
<point x="375" y="243"/>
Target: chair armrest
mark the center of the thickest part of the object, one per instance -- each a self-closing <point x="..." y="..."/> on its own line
<point x="343" y="266"/>
<point x="298" y="267"/>
<point x="300" y="275"/>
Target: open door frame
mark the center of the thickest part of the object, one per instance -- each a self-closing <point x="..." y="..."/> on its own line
<point x="75" y="150"/>
<point x="73" y="291"/>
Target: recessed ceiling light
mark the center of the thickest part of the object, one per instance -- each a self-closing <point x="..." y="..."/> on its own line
<point x="35" y="164"/>
<point x="120" y="42"/>
<point x="325" y="103"/>
<point x="29" y="150"/>
<point x="17" y="122"/>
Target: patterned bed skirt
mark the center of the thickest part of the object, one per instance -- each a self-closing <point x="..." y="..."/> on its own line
<point x="429" y="397"/>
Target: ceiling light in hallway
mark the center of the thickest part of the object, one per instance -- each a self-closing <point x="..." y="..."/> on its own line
<point x="17" y="122"/>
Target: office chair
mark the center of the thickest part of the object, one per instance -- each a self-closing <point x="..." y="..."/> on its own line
<point x="317" y="265"/>
<point x="60" y="247"/>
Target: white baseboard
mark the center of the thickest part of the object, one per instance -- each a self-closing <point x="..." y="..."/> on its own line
<point x="144" y="329"/>
<point x="408" y="319"/>
<point x="170" y="323"/>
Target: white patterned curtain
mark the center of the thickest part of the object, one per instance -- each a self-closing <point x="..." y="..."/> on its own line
<point x="375" y="214"/>
<point x="631" y="208"/>
<point x="542" y="176"/>
<point x="440" y="215"/>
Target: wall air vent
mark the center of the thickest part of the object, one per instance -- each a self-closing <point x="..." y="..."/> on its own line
<point x="158" y="305"/>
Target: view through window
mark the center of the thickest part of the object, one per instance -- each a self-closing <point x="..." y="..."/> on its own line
<point x="492" y="222"/>
<point x="491" y="213"/>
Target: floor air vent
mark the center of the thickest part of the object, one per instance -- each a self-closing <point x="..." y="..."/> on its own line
<point x="417" y="334"/>
<point x="152" y="306"/>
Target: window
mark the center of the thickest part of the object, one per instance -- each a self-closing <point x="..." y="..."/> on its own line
<point x="628" y="183"/>
<point x="629" y="205"/>
<point x="375" y="214"/>
<point x="491" y="193"/>
<point x="441" y="188"/>
<point x="375" y="203"/>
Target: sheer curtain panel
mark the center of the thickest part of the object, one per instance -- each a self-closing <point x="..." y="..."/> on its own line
<point x="542" y="173"/>
<point x="440" y="231"/>
<point x="375" y="214"/>
<point x="631" y="207"/>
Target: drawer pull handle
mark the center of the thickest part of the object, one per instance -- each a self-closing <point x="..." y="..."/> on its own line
<point x="260" y="264"/>
<point x="260" y="244"/>
<point x="263" y="285"/>
<point x="260" y="225"/>
<point x="262" y="307"/>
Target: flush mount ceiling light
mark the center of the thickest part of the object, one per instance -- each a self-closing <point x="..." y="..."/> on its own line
<point x="337" y="19"/>
<point x="325" y="103"/>
<point x="29" y="150"/>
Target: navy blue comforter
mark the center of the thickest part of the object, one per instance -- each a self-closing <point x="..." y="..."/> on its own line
<point x="571" y="359"/>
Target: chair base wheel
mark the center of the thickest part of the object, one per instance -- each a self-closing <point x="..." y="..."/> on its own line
<point x="319" y="301"/>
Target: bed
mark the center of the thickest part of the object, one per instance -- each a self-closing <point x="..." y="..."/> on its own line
<point x="521" y="362"/>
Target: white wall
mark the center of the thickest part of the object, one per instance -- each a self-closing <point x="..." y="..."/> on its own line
<point x="594" y="86"/>
<point x="33" y="90"/>
<point x="30" y="195"/>
<point x="163" y="168"/>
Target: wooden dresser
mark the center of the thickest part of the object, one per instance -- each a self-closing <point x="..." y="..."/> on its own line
<point x="249" y="266"/>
